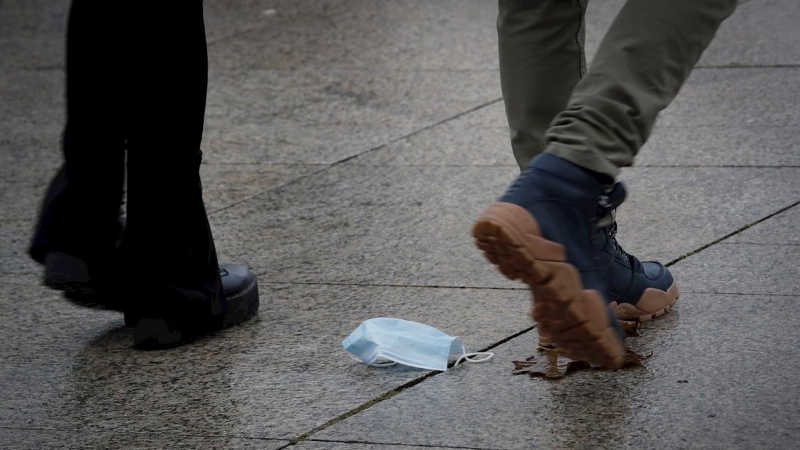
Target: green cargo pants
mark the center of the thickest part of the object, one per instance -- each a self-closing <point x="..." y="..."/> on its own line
<point x="600" y="118"/>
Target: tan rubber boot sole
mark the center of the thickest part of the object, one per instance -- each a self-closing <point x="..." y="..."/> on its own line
<point x="576" y="319"/>
<point x="652" y="304"/>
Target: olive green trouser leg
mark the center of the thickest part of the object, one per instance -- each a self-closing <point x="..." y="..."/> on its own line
<point x="541" y="49"/>
<point x="641" y="64"/>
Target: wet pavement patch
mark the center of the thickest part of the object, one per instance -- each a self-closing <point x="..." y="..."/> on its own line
<point x="550" y="363"/>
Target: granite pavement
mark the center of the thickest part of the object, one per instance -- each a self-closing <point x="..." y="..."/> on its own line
<point x="349" y="145"/>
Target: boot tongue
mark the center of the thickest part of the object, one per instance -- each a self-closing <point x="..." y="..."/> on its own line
<point x="634" y="262"/>
<point x="610" y="199"/>
<point x="570" y="172"/>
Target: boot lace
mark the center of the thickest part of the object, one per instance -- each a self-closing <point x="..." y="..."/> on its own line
<point x="610" y="199"/>
<point x="612" y="233"/>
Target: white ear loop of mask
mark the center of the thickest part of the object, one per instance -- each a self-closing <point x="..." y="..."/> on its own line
<point x="474" y="357"/>
<point x="383" y="363"/>
<point x="377" y="363"/>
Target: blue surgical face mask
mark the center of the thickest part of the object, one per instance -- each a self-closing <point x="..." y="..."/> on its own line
<point x="409" y="343"/>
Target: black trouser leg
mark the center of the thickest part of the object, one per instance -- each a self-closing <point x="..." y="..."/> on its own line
<point x="81" y="209"/>
<point x="168" y="243"/>
<point x="136" y="80"/>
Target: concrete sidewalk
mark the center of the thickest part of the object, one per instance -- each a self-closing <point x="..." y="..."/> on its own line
<point x="349" y="145"/>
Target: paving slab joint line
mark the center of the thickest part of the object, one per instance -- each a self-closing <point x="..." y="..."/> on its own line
<point x="376" y="148"/>
<point x="416" y="132"/>
<point x="61" y="429"/>
<point x="212" y="42"/>
<point x="392" y="285"/>
<point x="265" y="25"/>
<point x="389" y="444"/>
<point x="734" y="233"/>
<point x="717" y="166"/>
<point x="392" y="393"/>
<point x="748" y="66"/>
<point x="749" y="294"/>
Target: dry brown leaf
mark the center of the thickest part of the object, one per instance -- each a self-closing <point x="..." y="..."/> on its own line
<point x="552" y="364"/>
<point x="631" y="328"/>
<point x="549" y="363"/>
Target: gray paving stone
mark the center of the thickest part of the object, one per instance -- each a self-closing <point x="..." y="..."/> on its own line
<point x="395" y="226"/>
<point x="285" y="141"/>
<point x="481" y="137"/>
<point x="33" y="18"/>
<point x="21" y="190"/>
<point x="715" y="380"/>
<point x="15" y="234"/>
<point x="226" y="184"/>
<point x="48" y="322"/>
<point x="478" y="138"/>
<point x="728" y="117"/>
<point x="33" y="159"/>
<point x="276" y="377"/>
<point x="343" y="113"/>
<point x="19" y="439"/>
<point x="673" y="211"/>
<point x="742" y="269"/>
<point x="28" y="145"/>
<point x="318" y="82"/>
<point x="599" y="16"/>
<point x="403" y="35"/>
<point x="40" y="327"/>
<point x="21" y="193"/>
<point x="760" y="32"/>
<point x="225" y="19"/>
<point x="32" y="54"/>
<point x="328" y="445"/>
<point x="400" y="35"/>
<point x="709" y="146"/>
<point x="410" y="225"/>
<point x="23" y="185"/>
<point x="248" y="126"/>
<point x="736" y="97"/>
<point x="32" y="35"/>
<point x="33" y="98"/>
<point x="778" y="230"/>
<point x="288" y="117"/>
